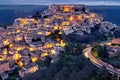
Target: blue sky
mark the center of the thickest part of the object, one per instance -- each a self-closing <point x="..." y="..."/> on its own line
<point x="46" y="2"/>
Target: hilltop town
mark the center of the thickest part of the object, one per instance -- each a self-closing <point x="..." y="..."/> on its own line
<point x="30" y="40"/>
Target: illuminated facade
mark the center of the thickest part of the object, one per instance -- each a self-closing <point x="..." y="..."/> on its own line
<point x="30" y="68"/>
<point x="66" y="8"/>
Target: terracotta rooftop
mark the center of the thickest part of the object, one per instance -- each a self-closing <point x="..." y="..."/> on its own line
<point x="116" y="41"/>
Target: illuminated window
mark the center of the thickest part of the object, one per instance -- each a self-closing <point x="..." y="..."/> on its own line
<point x="19" y="48"/>
<point x="39" y="33"/>
<point x="92" y="15"/>
<point x="52" y="52"/>
<point x="68" y="9"/>
<point x="31" y="49"/>
<point x="20" y="64"/>
<point x="44" y="54"/>
<point x="6" y="42"/>
<point x="34" y="59"/>
<point x="79" y="18"/>
<point x="48" y="33"/>
<point x="11" y="45"/>
<point x="71" y="18"/>
<point x="19" y="39"/>
<point x="17" y="56"/>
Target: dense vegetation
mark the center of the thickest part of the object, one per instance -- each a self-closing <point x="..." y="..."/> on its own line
<point x="102" y="53"/>
<point x="72" y="65"/>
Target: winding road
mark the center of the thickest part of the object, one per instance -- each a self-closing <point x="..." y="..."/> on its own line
<point x="99" y="63"/>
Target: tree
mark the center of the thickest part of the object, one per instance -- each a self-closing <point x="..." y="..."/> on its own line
<point x="47" y="61"/>
<point x="102" y="51"/>
<point x="114" y="76"/>
<point x="63" y="74"/>
<point x="103" y="74"/>
<point x="53" y="69"/>
<point x="74" y="76"/>
<point x="115" y="62"/>
<point x="81" y="62"/>
<point x="87" y="72"/>
<point x="28" y="77"/>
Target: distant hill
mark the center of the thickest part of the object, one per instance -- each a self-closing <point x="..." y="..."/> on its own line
<point x="9" y="12"/>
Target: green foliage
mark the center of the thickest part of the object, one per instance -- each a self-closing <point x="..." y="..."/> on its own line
<point x="63" y="74"/>
<point x="102" y="51"/>
<point x="72" y="65"/>
<point x="13" y="75"/>
<point x="95" y="53"/>
<point x="103" y="74"/>
<point x="74" y="48"/>
<point x="115" y="62"/>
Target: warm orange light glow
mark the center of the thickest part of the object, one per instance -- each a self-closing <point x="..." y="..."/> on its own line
<point x="108" y="43"/>
<point x="23" y="21"/>
<point x="44" y="54"/>
<point x="79" y="17"/>
<point x="6" y="42"/>
<point x="56" y="27"/>
<point x="71" y="18"/>
<point x="47" y="20"/>
<point x="20" y="64"/>
<point x="49" y="45"/>
<point x="5" y="52"/>
<point x="18" y="39"/>
<point x="31" y="49"/>
<point x="39" y="33"/>
<point x="67" y="9"/>
<point x="86" y="16"/>
<point x="65" y="23"/>
<point x="62" y="43"/>
<point x="33" y="69"/>
<point x="2" y="59"/>
<point x="92" y="15"/>
<point x="60" y="27"/>
<point x="11" y="45"/>
<point x="34" y="59"/>
<point x="17" y="56"/>
<point x="60" y="33"/>
<point x="17" y="31"/>
<point x="19" y="48"/>
<point x="52" y="52"/>
<point x="57" y="44"/>
<point x="65" y="28"/>
<point x="35" y="21"/>
<point x="48" y="33"/>
<point x="58" y="16"/>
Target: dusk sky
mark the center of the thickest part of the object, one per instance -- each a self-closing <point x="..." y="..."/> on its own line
<point x="46" y="2"/>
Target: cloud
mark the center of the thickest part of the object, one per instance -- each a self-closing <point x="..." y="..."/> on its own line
<point x="43" y="2"/>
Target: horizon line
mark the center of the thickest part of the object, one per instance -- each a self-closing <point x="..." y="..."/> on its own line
<point x="61" y="4"/>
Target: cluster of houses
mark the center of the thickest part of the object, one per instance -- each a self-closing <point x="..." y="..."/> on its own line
<point x="26" y="41"/>
<point x="71" y="18"/>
